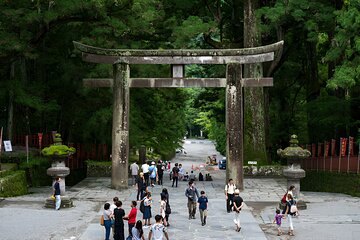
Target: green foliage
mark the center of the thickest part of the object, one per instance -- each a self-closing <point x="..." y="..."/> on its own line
<point x="346" y="47"/>
<point x="13" y="183"/>
<point x="331" y="182"/>
<point x="98" y="163"/>
<point x="35" y="171"/>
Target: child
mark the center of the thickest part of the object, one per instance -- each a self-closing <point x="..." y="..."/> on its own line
<point x="203" y="201"/>
<point x="277" y="219"/>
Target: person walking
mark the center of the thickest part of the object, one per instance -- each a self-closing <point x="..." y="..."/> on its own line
<point x="147" y="209"/>
<point x="131" y="217"/>
<point x="107" y="215"/>
<point x="203" y="205"/>
<point x="57" y="193"/>
<point x="141" y="187"/>
<point x="137" y="231"/>
<point x="285" y="198"/>
<point x="175" y="175"/>
<point x="160" y="169"/>
<point x="290" y="212"/>
<point x="229" y="194"/>
<point x="191" y="193"/>
<point x="163" y="209"/>
<point x="134" y="172"/>
<point x="164" y="193"/>
<point x="158" y="230"/>
<point x="153" y="173"/>
<point x="145" y="170"/>
<point x="119" y="213"/>
<point x="237" y="205"/>
<point x="277" y="220"/>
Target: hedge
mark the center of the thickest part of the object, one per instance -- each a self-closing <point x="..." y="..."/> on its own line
<point x="13" y="183"/>
<point x="347" y="183"/>
<point x="98" y="168"/>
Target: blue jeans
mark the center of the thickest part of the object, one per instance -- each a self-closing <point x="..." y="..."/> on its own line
<point x="57" y="202"/>
<point x="107" y="225"/>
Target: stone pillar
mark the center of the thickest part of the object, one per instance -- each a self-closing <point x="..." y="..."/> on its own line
<point x="234" y="125"/>
<point x="120" y="131"/>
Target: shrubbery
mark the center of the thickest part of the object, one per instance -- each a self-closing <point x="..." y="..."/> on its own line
<point x="12" y="183"/>
<point x="331" y="182"/>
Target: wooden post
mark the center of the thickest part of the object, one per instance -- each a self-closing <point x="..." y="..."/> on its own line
<point x="234" y="124"/>
<point x="120" y="131"/>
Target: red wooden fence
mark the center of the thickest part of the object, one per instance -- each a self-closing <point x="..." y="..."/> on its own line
<point x="334" y="157"/>
<point x="96" y="152"/>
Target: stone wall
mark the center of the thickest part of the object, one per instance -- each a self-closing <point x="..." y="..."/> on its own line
<point x="264" y="171"/>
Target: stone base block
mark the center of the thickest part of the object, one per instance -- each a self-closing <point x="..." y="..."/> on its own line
<point x="66" y="202"/>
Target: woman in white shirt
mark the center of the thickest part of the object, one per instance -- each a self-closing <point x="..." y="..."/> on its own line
<point x="137" y="231"/>
<point x="107" y="220"/>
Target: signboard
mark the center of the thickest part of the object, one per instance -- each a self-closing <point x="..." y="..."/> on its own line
<point x="7" y="146"/>
<point x="252" y="162"/>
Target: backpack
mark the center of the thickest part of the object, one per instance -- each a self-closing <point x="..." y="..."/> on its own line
<point x="283" y="200"/>
<point x="142" y="206"/>
<point x="167" y="208"/>
<point x="175" y="172"/>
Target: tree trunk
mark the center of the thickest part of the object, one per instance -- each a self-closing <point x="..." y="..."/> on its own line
<point x="254" y="96"/>
<point x="312" y="85"/>
<point x="10" y="121"/>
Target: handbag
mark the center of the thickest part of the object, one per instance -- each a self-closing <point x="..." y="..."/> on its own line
<point x="102" y="220"/>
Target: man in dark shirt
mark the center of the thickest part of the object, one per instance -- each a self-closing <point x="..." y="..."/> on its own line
<point x="57" y="193"/>
<point x="175" y="175"/>
<point x="203" y="202"/>
<point x="160" y="169"/>
<point x="238" y="204"/>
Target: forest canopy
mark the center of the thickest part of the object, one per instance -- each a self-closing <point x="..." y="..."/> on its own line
<point x="316" y="92"/>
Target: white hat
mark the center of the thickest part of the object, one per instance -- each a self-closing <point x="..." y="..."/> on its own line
<point x="237" y="191"/>
<point x="152" y="163"/>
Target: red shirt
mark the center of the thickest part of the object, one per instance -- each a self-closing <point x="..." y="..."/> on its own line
<point x="132" y="216"/>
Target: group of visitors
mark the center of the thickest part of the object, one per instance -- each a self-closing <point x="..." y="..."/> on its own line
<point x="114" y="216"/>
<point x="290" y="210"/>
<point x="151" y="174"/>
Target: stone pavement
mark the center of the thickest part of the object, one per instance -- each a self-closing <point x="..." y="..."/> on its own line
<point x="329" y="216"/>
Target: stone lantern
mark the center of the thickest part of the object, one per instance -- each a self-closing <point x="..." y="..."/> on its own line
<point x="293" y="173"/>
<point x="58" y="153"/>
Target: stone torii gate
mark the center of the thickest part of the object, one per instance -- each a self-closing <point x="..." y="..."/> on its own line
<point x="178" y="58"/>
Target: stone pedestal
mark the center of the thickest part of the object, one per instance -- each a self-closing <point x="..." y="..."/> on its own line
<point x="293" y="175"/>
<point x="58" y="169"/>
<point x="66" y="202"/>
<point x="294" y="154"/>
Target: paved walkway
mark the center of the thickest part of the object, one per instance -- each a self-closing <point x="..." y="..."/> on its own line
<point x="329" y="216"/>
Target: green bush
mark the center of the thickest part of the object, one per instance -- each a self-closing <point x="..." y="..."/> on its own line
<point x="36" y="171"/>
<point x="98" y="168"/>
<point x="13" y="183"/>
<point x="348" y="183"/>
